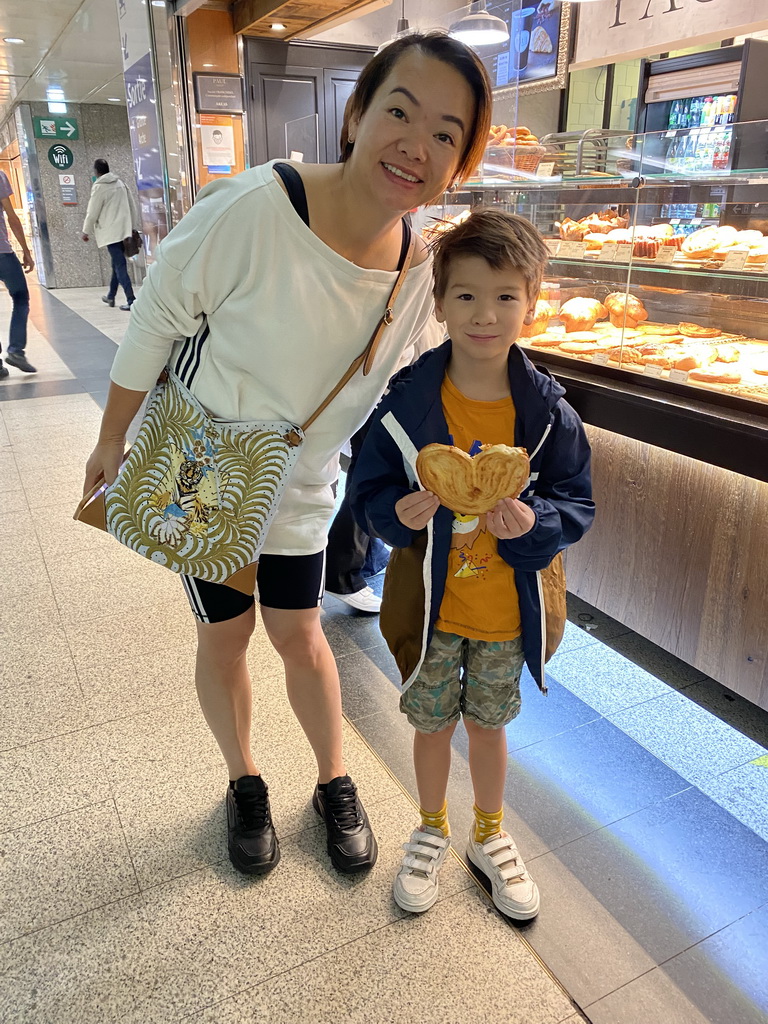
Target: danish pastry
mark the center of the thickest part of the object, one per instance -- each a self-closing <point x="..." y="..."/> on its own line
<point x="546" y="340"/>
<point x="715" y="375"/>
<point x="697" y="331"/>
<point x="581" y="314"/>
<point x="701" y="243"/>
<point x="472" y="485"/>
<point x="761" y="368"/>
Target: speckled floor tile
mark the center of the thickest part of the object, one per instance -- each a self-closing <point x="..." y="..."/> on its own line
<point x="49" y="778"/>
<point x="107" y="584"/>
<point x="686" y="737"/>
<point x="382" y="976"/>
<point x="544" y="716"/>
<point x="631" y="896"/>
<point x="718" y="981"/>
<point x="597" y="771"/>
<point x="653" y="659"/>
<point x="604" y="679"/>
<point x="54" y="869"/>
<point x="168" y="780"/>
<point x="9" y="474"/>
<point x="369" y="682"/>
<point x="107" y="966"/>
<point x="19" y="547"/>
<point x="39" y="692"/>
<point x="348" y="630"/>
<point x="13" y="500"/>
<point x="193" y="941"/>
<point x="27" y="605"/>
<point x="582" y="615"/>
<point x="729" y="707"/>
<point x="576" y="636"/>
<point x="59" y="535"/>
<point x="743" y="792"/>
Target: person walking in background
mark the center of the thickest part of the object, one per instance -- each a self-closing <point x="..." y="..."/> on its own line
<point x="111" y="217"/>
<point x="12" y="273"/>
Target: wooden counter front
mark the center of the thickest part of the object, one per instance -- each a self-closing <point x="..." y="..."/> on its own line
<point x="679" y="553"/>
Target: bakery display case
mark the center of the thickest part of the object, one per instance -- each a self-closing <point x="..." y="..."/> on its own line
<point x="654" y="316"/>
<point x="655" y="306"/>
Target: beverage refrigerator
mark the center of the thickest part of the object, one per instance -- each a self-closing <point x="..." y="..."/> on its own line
<point x="691" y="102"/>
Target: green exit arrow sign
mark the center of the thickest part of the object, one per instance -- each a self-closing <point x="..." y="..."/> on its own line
<point x="55" y="128"/>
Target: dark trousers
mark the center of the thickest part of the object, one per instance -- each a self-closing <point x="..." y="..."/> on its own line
<point x="12" y="276"/>
<point x="119" y="272"/>
<point x="351" y="554"/>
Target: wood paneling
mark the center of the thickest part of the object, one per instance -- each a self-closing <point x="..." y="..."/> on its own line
<point x="679" y="553"/>
<point x="256" y="17"/>
<point x="212" y="41"/>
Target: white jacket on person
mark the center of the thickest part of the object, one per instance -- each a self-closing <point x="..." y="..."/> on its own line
<point x="111" y="215"/>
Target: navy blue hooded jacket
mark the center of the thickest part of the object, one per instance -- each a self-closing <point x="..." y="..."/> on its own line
<point x="558" y="491"/>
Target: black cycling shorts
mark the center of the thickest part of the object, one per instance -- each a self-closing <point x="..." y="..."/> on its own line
<point x="292" y="582"/>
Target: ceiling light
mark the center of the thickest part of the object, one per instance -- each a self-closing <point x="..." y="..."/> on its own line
<point x="209" y="65"/>
<point x="158" y="3"/>
<point x="12" y="39"/>
<point x="114" y="99"/>
<point x="479" y="28"/>
<point x="278" y="26"/>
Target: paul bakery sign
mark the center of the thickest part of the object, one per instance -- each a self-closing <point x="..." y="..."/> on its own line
<point x="614" y="30"/>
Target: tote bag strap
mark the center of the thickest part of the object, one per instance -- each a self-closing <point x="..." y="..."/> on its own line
<point x="366" y="358"/>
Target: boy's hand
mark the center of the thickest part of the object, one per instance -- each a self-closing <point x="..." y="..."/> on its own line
<point x="510" y="519"/>
<point x="416" y="509"/>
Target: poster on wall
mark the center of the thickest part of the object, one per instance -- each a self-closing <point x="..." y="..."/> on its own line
<point x="217" y="140"/>
<point x="535" y="56"/>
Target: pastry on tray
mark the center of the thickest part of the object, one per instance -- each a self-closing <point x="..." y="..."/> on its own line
<point x="472" y="485"/>
<point x="715" y="374"/>
<point x="697" y="331"/>
<point x="541" y="317"/>
<point x="625" y="310"/>
<point x="581" y="314"/>
<point x="546" y="340"/>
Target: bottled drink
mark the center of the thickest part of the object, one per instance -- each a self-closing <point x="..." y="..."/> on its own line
<point x="685" y="119"/>
<point x="696" y="107"/>
<point x="706" y="114"/>
<point x="674" y="110"/>
<point x="732" y="100"/>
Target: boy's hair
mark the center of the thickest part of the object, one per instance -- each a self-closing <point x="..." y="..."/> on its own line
<point x="503" y="240"/>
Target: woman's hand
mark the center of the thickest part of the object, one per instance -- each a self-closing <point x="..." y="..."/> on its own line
<point x="104" y="463"/>
<point x="510" y="519"/>
<point x="416" y="509"/>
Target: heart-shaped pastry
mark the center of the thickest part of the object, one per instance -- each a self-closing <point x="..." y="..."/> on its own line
<point x="471" y="485"/>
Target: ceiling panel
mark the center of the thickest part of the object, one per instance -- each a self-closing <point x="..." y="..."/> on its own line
<point x="71" y="43"/>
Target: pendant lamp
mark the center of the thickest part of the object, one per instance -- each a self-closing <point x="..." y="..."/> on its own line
<point x="479" y="28"/>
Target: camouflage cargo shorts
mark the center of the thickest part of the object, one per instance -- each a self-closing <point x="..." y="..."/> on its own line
<point x="479" y="679"/>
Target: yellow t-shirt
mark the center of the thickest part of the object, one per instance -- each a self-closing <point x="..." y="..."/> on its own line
<point x="480" y="599"/>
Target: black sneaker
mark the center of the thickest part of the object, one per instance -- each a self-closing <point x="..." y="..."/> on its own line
<point x="20" y="361"/>
<point x="351" y="844"/>
<point x="253" y="845"/>
<point x="108" y="300"/>
<point x="3" y="371"/>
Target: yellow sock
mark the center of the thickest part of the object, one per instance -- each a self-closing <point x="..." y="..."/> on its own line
<point x="436" y="819"/>
<point x="487" y="824"/>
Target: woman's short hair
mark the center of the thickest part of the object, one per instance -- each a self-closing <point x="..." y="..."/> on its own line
<point x="440" y="46"/>
<point x="504" y="240"/>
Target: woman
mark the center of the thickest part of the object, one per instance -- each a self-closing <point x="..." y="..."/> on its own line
<point x="292" y="272"/>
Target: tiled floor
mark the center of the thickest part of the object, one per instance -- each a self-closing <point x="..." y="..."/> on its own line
<point x="637" y="791"/>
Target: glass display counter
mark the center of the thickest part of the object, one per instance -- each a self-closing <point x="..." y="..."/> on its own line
<point x="654" y="311"/>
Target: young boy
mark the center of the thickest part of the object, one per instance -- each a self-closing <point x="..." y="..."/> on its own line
<point x="462" y="609"/>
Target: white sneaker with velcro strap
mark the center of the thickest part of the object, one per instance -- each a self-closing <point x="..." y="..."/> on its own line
<point x="416" y="884"/>
<point x="513" y="890"/>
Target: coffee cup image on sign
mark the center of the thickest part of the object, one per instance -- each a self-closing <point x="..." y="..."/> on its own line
<point x="521" y="26"/>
